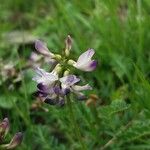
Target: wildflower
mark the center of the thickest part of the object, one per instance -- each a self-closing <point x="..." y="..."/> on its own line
<point x="16" y="141"/>
<point x="44" y="78"/>
<point x="69" y="84"/>
<point x="68" y="81"/>
<point x="42" y="48"/>
<point x="4" y="128"/>
<point x="84" y="61"/>
<point x="54" y="86"/>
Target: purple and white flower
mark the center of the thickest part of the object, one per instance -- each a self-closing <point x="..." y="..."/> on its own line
<point x="48" y="87"/>
<point x="69" y="84"/>
<point x="15" y="142"/>
<point x="41" y="47"/>
<point x="81" y="88"/>
<point x="45" y="81"/>
<point x="4" y="128"/>
<point x="45" y="78"/>
<point x="84" y="61"/>
<point x="68" y="81"/>
<point x="54" y="86"/>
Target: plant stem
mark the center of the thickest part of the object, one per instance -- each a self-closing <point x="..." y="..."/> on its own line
<point x="74" y="123"/>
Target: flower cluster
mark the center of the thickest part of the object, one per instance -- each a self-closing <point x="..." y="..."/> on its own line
<point x="53" y="86"/>
<point x="15" y="141"/>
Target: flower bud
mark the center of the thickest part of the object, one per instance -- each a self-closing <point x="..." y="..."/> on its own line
<point x="71" y="62"/>
<point x="66" y="73"/>
<point x="16" y="141"/>
<point x="68" y="43"/>
<point x="4" y="127"/>
<point x="57" y="57"/>
<point x="57" y="69"/>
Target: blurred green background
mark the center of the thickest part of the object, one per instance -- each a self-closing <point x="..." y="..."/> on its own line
<point x="119" y="31"/>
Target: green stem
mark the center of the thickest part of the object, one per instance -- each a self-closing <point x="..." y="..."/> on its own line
<point x="74" y="123"/>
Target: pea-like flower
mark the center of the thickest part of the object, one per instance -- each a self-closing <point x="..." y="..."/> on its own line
<point x="68" y="81"/>
<point x="15" y="141"/>
<point x="84" y="61"/>
<point x="4" y="128"/>
<point x="45" y="78"/>
<point x="41" y="47"/>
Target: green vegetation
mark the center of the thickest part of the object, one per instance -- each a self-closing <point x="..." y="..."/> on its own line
<point x="119" y="32"/>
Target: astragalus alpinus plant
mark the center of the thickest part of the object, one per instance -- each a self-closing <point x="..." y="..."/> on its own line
<point x="55" y="87"/>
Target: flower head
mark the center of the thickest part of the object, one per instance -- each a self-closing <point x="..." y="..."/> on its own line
<point x="55" y="85"/>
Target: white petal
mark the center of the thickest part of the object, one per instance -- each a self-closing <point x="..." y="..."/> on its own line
<point x="45" y="77"/>
<point x="42" y="48"/>
<point x="35" y="57"/>
<point x="81" y="88"/>
<point x="85" y="57"/>
<point x="69" y="80"/>
<point x="88" y="66"/>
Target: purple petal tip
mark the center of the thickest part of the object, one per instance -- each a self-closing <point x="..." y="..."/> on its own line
<point x="93" y="65"/>
<point x="41" y="87"/>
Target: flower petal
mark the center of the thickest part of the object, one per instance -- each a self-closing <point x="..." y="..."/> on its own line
<point x="42" y="48"/>
<point x="84" y="62"/>
<point x="81" y="88"/>
<point x="4" y="127"/>
<point x="69" y="80"/>
<point x="88" y="66"/>
<point x="68" y="42"/>
<point x="16" y="141"/>
<point x="85" y="57"/>
<point x="44" y="77"/>
<point x="34" y="57"/>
